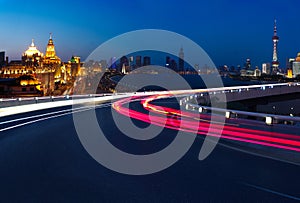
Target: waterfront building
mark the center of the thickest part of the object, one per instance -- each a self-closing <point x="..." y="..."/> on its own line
<point x="51" y="60"/>
<point x="296" y="66"/>
<point x="257" y="72"/>
<point x="266" y="68"/>
<point x="32" y="57"/>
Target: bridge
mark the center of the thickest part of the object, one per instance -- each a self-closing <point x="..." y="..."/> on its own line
<point x="38" y="144"/>
<point x="22" y="105"/>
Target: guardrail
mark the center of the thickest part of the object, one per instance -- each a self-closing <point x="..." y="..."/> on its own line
<point x="269" y="119"/>
<point x="228" y="113"/>
<point x="8" y="102"/>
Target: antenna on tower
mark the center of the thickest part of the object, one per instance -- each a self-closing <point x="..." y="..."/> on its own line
<point x="275" y="27"/>
<point x="50" y="35"/>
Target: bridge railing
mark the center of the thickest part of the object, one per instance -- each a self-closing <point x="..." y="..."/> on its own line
<point x="8" y="102"/>
<point x="269" y="119"/>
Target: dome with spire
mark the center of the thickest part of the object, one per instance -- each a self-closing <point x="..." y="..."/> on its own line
<point x="32" y="50"/>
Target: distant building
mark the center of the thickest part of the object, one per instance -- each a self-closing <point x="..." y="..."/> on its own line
<point x="173" y="65"/>
<point x="138" y="61"/>
<point x="50" y="58"/>
<point x="257" y="72"/>
<point x="168" y="61"/>
<point x="181" y="60"/>
<point x="289" y="73"/>
<point x="124" y="64"/>
<point x="124" y="61"/>
<point x="2" y="58"/>
<point x="289" y="63"/>
<point x="147" y="61"/>
<point x="112" y="64"/>
<point x="248" y="64"/>
<point x="266" y="68"/>
<point x="75" y="67"/>
<point x="24" y="85"/>
<point x="296" y="66"/>
<point x="32" y="57"/>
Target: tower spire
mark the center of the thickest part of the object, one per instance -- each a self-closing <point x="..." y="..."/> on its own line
<point x="50" y="35"/>
<point x="275" y="27"/>
<point x="32" y="42"/>
<point x="275" y="39"/>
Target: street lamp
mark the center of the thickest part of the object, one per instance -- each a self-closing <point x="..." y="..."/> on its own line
<point x="274" y="108"/>
<point x="291" y="114"/>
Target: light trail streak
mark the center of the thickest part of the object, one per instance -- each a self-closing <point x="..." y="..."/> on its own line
<point x="230" y="131"/>
<point x="42" y="117"/>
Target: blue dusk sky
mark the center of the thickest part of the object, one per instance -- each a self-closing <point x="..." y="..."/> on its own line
<point x="228" y="30"/>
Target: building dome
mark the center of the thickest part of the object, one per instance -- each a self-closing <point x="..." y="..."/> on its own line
<point x="32" y="50"/>
<point x="298" y="57"/>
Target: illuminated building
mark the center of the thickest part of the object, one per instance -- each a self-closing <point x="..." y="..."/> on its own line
<point x="124" y="60"/>
<point x="32" y="57"/>
<point x="124" y="65"/>
<point x="275" y="62"/>
<point x="52" y="64"/>
<point x="257" y="72"/>
<point x="32" y="51"/>
<point x="296" y="66"/>
<point x="24" y="85"/>
<point x="266" y="68"/>
<point x="47" y="69"/>
<point x="181" y="60"/>
<point x="290" y="73"/>
<point x="289" y="67"/>
<point x="123" y="69"/>
<point x="50" y="55"/>
<point x="75" y="67"/>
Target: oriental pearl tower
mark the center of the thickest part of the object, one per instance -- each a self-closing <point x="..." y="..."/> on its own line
<point x="275" y="62"/>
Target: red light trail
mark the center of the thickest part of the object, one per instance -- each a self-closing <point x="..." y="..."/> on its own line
<point x="201" y="124"/>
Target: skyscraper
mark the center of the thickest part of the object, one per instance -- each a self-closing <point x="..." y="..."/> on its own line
<point x="2" y="58"/>
<point x="266" y="68"/>
<point x="138" y="61"/>
<point x="181" y="60"/>
<point x="275" y="62"/>
<point x="147" y="61"/>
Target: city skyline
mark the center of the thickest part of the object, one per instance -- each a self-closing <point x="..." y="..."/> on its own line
<point x="233" y="32"/>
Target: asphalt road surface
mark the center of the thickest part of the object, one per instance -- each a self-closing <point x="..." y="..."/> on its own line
<point x="45" y="161"/>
